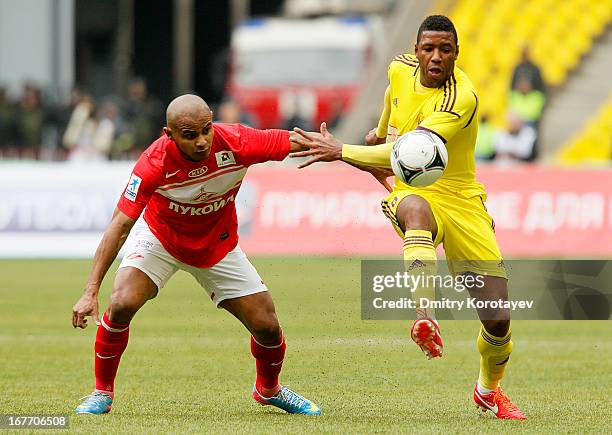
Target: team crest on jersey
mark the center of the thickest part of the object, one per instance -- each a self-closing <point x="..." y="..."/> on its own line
<point x="131" y="191"/>
<point x="204" y="195"/>
<point x="395" y="101"/>
<point x="197" y="172"/>
<point x="420" y="118"/>
<point x="225" y="158"/>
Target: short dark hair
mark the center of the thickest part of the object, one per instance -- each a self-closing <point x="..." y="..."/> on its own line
<point x="437" y="23"/>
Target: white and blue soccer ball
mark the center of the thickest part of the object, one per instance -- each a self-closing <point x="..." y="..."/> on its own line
<point x="419" y="158"/>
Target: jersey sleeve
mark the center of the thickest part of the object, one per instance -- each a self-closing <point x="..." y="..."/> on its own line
<point x="377" y="156"/>
<point x="258" y="146"/>
<point x="456" y="111"/>
<point x="139" y="189"/>
<point x="383" y="122"/>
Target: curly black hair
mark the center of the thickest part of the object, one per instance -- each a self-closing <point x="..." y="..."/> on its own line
<point x="437" y="23"/>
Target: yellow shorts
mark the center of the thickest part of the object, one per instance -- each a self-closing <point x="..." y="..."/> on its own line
<point x="465" y="229"/>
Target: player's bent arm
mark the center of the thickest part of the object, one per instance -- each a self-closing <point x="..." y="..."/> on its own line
<point x="113" y="239"/>
<point x="383" y="122"/>
<point x="377" y="156"/>
<point x="115" y="235"/>
<point x="446" y="123"/>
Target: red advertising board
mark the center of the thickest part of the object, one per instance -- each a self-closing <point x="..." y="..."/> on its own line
<point x="335" y="209"/>
<point x="328" y="209"/>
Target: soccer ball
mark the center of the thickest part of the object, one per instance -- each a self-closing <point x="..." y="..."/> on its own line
<point x="419" y="158"/>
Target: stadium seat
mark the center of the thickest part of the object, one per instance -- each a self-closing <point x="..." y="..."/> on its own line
<point x="492" y="34"/>
<point x="594" y="143"/>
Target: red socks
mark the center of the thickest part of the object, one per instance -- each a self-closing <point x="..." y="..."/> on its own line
<point x="269" y="361"/>
<point x="111" y="341"/>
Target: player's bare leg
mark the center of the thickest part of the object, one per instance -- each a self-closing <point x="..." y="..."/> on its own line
<point x="416" y="219"/>
<point x="257" y="314"/>
<point x="495" y="347"/>
<point x="131" y="290"/>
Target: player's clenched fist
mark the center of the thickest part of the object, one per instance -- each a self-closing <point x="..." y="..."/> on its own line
<point x="87" y="305"/>
<point x="372" y="139"/>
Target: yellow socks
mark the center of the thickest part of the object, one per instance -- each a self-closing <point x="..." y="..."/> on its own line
<point x="494" y="356"/>
<point x="420" y="260"/>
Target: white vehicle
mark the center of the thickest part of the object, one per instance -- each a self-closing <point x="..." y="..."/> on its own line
<point x="310" y="68"/>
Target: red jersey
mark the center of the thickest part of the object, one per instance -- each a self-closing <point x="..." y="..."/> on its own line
<point x="190" y="206"/>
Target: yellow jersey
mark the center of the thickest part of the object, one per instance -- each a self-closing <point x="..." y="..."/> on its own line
<point x="450" y="111"/>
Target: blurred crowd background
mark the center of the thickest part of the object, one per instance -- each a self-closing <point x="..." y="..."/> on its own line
<point x="83" y="128"/>
<point x="109" y="69"/>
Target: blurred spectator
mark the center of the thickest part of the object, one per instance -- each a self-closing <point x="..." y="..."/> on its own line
<point x="485" y="142"/>
<point x="143" y="113"/>
<point x="79" y="116"/>
<point x="516" y="144"/>
<point x="89" y="137"/>
<point x="527" y="102"/>
<point x="230" y="112"/>
<point x="58" y="119"/>
<point x="29" y="121"/>
<point x="106" y="124"/>
<point x="6" y="122"/>
<point x="122" y="139"/>
<point x="63" y="112"/>
<point x="527" y="70"/>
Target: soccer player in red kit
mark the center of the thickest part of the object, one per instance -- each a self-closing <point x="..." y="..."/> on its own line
<point x="186" y="183"/>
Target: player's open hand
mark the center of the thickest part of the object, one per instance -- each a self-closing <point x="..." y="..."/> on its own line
<point x="87" y="305"/>
<point x="320" y="147"/>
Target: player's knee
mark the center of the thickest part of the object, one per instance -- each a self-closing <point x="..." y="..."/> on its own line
<point x="414" y="213"/>
<point x="123" y="305"/>
<point x="497" y="327"/>
<point x="266" y="329"/>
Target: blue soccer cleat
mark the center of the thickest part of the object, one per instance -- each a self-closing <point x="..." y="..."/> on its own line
<point x="97" y="402"/>
<point x="289" y="401"/>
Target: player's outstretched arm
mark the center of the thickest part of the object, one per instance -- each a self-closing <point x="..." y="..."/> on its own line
<point x="114" y="237"/>
<point x="324" y="147"/>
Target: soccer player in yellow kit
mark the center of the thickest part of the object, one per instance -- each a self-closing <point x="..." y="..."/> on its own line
<point x="428" y="92"/>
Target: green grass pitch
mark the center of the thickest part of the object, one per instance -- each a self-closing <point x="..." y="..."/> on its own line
<point x="188" y="367"/>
